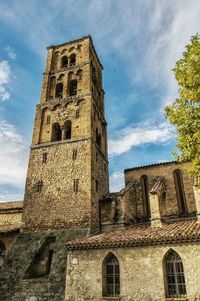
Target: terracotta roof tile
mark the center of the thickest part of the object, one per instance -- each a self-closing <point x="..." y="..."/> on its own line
<point x="179" y="231"/>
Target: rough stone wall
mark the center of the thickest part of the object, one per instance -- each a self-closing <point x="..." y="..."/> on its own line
<point x="57" y="205"/>
<point x="169" y="205"/>
<point x="7" y="218"/>
<point x="13" y="284"/>
<point x="141" y="273"/>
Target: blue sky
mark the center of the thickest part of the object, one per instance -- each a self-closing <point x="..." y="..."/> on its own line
<point x="138" y="42"/>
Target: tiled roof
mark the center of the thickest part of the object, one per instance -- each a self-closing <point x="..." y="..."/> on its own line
<point x="11" y="206"/>
<point x="150" y="165"/>
<point x="179" y="231"/>
<point x="10" y="228"/>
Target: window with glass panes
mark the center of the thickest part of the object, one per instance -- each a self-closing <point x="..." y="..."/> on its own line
<point x="175" y="279"/>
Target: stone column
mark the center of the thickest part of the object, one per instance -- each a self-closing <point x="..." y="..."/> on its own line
<point x="155" y="210"/>
<point x="196" y="189"/>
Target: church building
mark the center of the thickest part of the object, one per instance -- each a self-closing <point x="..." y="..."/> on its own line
<point x="71" y="239"/>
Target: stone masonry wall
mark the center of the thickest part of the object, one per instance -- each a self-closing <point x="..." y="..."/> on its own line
<point x="169" y="206"/>
<point x="141" y="273"/>
<point x="57" y="205"/>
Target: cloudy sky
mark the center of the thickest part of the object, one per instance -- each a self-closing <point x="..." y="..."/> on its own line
<point x="138" y="42"/>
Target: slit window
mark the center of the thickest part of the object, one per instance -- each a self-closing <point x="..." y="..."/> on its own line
<point x="180" y="193"/>
<point x="39" y="186"/>
<point x="74" y="154"/>
<point x="48" y="119"/>
<point x="76" y="185"/>
<point x="44" y="158"/>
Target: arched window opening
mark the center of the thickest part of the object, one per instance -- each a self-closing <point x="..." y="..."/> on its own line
<point x="68" y="130"/>
<point x="2" y="253"/>
<point x="41" y="263"/>
<point x="59" y="90"/>
<point x="174" y="275"/>
<point x="56" y="132"/>
<point x="111" y="276"/>
<point x="180" y="193"/>
<point x="64" y="61"/>
<point x="72" y="59"/>
<point x="55" y="60"/>
<point x="73" y="87"/>
<point x="98" y="138"/>
<point x="52" y="86"/>
<point x="145" y="195"/>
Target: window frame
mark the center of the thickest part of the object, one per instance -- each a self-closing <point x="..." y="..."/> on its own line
<point x="112" y="266"/>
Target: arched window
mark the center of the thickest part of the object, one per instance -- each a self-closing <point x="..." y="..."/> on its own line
<point x="55" y="60"/>
<point x="2" y="253"/>
<point x="180" y="193"/>
<point x="59" y="90"/>
<point x="68" y="130"/>
<point x="145" y="195"/>
<point x="64" y="61"/>
<point x="98" y="137"/>
<point x="174" y="275"/>
<point x="56" y="132"/>
<point x="73" y="87"/>
<point x="111" y="276"/>
<point x="72" y="60"/>
<point x="52" y="86"/>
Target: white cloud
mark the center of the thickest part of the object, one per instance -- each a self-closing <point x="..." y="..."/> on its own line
<point x="11" y="52"/>
<point x="5" y="75"/>
<point x="116" y="181"/>
<point x="13" y="156"/>
<point x="142" y="134"/>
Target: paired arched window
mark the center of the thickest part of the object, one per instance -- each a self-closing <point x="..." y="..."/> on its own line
<point x="2" y="253"/>
<point x="174" y="275"/>
<point x="73" y="87"/>
<point x="68" y="130"/>
<point x="59" y="90"/>
<point x="145" y="195"/>
<point x="56" y="132"/>
<point x="111" y="276"/>
<point x="72" y="59"/>
<point x="180" y="193"/>
<point x="64" y="61"/>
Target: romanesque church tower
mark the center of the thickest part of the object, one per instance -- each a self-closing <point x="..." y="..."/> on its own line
<point x="68" y="166"/>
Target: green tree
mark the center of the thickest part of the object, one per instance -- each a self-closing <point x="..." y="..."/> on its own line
<point x="184" y="112"/>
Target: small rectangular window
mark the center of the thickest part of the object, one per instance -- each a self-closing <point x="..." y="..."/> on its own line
<point x="38" y="186"/>
<point x="44" y="158"/>
<point x="48" y="119"/>
<point x="77" y="113"/>
<point x="76" y="185"/>
<point x="74" y="154"/>
<point x="96" y="156"/>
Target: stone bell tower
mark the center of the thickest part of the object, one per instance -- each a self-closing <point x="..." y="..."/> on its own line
<point x="68" y="166"/>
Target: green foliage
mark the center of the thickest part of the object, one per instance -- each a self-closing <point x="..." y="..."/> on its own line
<point x="184" y="112"/>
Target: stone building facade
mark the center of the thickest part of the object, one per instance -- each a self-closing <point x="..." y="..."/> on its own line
<point x="72" y="240"/>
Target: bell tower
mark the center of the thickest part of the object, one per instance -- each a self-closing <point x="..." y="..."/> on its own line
<point x="68" y="165"/>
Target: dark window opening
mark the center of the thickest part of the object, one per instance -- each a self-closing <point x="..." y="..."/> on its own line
<point x="52" y="86"/>
<point x="55" y="60"/>
<point x="64" y="61"/>
<point x="77" y="113"/>
<point x="72" y="59"/>
<point x="48" y="119"/>
<point x="180" y="193"/>
<point x="98" y="137"/>
<point x="67" y="130"/>
<point x="111" y="276"/>
<point x="41" y="263"/>
<point x="145" y="195"/>
<point x="44" y="158"/>
<point x="59" y="90"/>
<point x="73" y="87"/>
<point x="76" y="185"/>
<point x="2" y="253"/>
<point x="174" y="275"/>
<point x="56" y="132"/>
<point x="74" y="154"/>
<point x="97" y="185"/>
<point x="39" y="186"/>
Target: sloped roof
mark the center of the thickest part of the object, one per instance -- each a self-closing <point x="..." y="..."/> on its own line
<point x="7" y="206"/>
<point x="150" y="165"/>
<point x="187" y="230"/>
